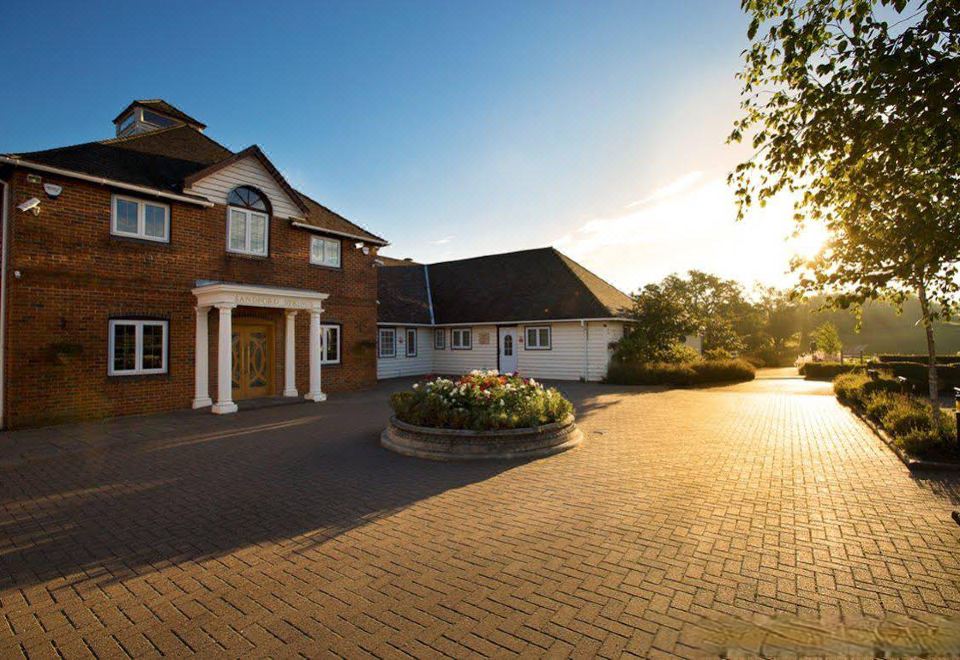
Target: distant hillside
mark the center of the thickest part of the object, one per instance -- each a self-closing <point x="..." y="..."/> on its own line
<point x="883" y="331"/>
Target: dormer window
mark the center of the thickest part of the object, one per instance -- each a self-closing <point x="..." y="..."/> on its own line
<point x="248" y="221"/>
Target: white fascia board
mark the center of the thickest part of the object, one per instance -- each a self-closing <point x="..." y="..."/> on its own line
<point x="17" y="162"/>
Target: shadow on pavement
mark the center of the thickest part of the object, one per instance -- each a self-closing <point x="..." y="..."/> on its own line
<point x="281" y="473"/>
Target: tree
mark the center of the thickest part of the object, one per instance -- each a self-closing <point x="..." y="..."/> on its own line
<point x="718" y="308"/>
<point x="826" y="338"/>
<point x="861" y="118"/>
<point x="662" y="322"/>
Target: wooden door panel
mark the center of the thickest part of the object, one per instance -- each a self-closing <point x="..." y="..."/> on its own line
<point x="252" y="361"/>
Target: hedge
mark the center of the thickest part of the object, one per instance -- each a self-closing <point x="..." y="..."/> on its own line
<point x="690" y="373"/>
<point x="948" y="376"/>
<point x="922" y="359"/>
<point x="826" y="370"/>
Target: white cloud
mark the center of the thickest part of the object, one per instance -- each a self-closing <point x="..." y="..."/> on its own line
<point x="673" y="188"/>
<point x="442" y="241"/>
<point x="685" y="225"/>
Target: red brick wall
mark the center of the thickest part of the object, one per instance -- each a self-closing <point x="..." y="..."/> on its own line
<point x="74" y="276"/>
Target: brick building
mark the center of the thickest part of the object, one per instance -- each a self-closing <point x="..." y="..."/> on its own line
<point x="159" y="270"/>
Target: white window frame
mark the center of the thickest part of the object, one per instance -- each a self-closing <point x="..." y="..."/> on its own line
<point x="323" y="340"/>
<point x="324" y="260"/>
<point x="439" y="339"/>
<point x="457" y="336"/>
<point x="380" y="353"/>
<point x="139" y="324"/>
<point x="141" y="232"/>
<point x="406" y="349"/>
<point x="248" y="214"/>
<point x="536" y="345"/>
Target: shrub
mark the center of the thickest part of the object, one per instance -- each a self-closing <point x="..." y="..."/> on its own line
<point x="681" y="354"/>
<point x="847" y="387"/>
<point x="908" y="419"/>
<point x="826" y="370"/>
<point x="856" y="388"/>
<point x="906" y="414"/>
<point x="480" y="401"/>
<point x="925" y="443"/>
<point x="879" y="404"/>
<point x="693" y="373"/>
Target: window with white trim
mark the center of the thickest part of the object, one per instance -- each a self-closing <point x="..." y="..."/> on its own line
<point x="411" y="342"/>
<point x="137" y="347"/>
<point x="325" y="251"/>
<point x="330" y="344"/>
<point x="538" y="338"/>
<point x="387" y="343"/>
<point x="248" y="222"/>
<point x="460" y="339"/>
<point x="439" y="338"/>
<point x="136" y="218"/>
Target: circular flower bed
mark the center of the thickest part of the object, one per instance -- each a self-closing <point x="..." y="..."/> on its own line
<point x="484" y="414"/>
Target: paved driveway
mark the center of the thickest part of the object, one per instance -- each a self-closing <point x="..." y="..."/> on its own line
<point x="746" y="518"/>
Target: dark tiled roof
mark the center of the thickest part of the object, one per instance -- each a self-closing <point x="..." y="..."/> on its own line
<point x="164" y="159"/>
<point x="529" y="285"/>
<point x="161" y="106"/>
<point x="402" y="294"/>
<point x="158" y="159"/>
<point x="323" y="218"/>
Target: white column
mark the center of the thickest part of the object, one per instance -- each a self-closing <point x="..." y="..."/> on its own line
<point x="290" y="359"/>
<point x="201" y="369"/>
<point x="225" y="404"/>
<point x="315" y="393"/>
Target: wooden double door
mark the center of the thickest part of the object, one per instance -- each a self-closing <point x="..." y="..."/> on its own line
<point x="253" y="364"/>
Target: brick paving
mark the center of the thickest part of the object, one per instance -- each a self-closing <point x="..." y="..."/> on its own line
<point x="754" y="518"/>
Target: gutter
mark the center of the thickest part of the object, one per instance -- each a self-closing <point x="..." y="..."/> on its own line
<point x="4" y="250"/>
<point x="17" y="162"/>
<point x="323" y="230"/>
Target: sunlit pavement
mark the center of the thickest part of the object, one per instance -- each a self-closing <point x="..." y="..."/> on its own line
<point x="750" y="518"/>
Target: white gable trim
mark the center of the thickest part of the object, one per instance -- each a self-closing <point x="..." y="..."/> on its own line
<point x="247" y="171"/>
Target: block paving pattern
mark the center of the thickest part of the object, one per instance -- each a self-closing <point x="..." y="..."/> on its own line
<point x="758" y="518"/>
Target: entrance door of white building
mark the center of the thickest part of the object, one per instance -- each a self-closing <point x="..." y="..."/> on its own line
<point x="508" y="350"/>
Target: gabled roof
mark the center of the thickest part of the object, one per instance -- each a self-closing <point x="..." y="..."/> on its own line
<point x="529" y="285"/>
<point x="253" y="151"/>
<point x="161" y="106"/>
<point x="165" y="159"/>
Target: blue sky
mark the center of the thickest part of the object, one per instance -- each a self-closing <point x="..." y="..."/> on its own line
<point x="451" y="128"/>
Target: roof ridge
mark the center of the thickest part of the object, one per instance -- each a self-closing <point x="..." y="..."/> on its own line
<point x="488" y="256"/>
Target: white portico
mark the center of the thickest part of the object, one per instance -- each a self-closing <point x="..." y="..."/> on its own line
<point x="227" y="297"/>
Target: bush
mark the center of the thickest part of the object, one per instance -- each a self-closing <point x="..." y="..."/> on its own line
<point x="681" y="354"/>
<point x="480" y="401"/>
<point x="906" y="414"/>
<point x="826" y="370"/>
<point x="908" y="419"/>
<point x="693" y="373"/>
<point x="856" y="388"/>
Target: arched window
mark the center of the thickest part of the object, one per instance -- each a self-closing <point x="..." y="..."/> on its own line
<point x="248" y="198"/>
<point x="248" y="221"/>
